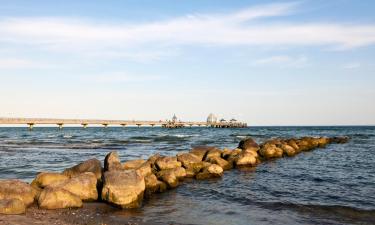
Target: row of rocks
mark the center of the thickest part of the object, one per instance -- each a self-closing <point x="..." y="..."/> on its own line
<point x="126" y="184"/>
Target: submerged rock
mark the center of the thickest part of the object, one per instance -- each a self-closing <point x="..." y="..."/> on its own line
<point x="166" y="162"/>
<point x="82" y="185"/>
<point x="339" y="140"/>
<point x="16" y="189"/>
<point x="12" y="206"/>
<point x="58" y="198"/>
<point x="212" y="171"/>
<point x="124" y="189"/>
<point x="112" y="162"/>
<point x="91" y="165"/>
<point x="44" y="179"/>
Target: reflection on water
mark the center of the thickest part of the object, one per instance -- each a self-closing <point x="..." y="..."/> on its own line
<point x="335" y="185"/>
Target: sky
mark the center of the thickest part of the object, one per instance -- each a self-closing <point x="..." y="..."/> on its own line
<point x="309" y="62"/>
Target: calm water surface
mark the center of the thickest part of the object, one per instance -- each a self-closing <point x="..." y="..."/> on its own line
<point x="335" y="185"/>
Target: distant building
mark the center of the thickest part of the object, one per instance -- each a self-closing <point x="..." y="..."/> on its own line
<point x="223" y="120"/>
<point x="211" y="119"/>
<point x="233" y="120"/>
<point x="174" y="118"/>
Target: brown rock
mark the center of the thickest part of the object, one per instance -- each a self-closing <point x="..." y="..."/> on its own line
<point x="214" y="153"/>
<point x="270" y="151"/>
<point x="169" y="177"/>
<point x="245" y="159"/>
<point x="82" y="185"/>
<point x="288" y="150"/>
<point x="112" y="162"/>
<point x="154" y="185"/>
<point x="58" y="198"/>
<point x="293" y="143"/>
<point x="201" y="151"/>
<point x="194" y="168"/>
<point x="124" y="189"/>
<point x="133" y="164"/>
<point x="164" y="163"/>
<point x="323" y="141"/>
<point x="12" y="206"/>
<point x="248" y="143"/>
<point x="221" y="162"/>
<point x="339" y="140"/>
<point x="212" y="171"/>
<point x="44" y="179"/>
<point x="187" y="158"/>
<point x="91" y="165"/>
<point x="16" y="189"/>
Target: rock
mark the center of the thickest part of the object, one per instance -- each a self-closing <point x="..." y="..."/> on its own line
<point x="194" y="168"/>
<point x="145" y="169"/>
<point x="214" y="153"/>
<point x="112" y="162"/>
<point x="172" y="176"/>
<point x="154" y="185"/>
<point x="226" y="153"/>
<point x="133" y="164"/>
<point x="288" y="150"/>
<point x="187" y="158"/>
<point x="211" y="171"/>
<point x="12" y="206"/>
<point x="248" y="143"/>
<point x="44" y="179"/>
<point x="164" y="163"/>
<point x="323" y="141"/>
<point x="124" y="189"/>
<point x="294" y="145"/>
<point x="233" y="155"/>
<point x="339" y="140"/>
<point x="245" y="159"/>
<point x="221" y="162"/>
<point x="270" y="151"/>
<point x="82" y="185"/>
<point x="16" y="189"/>
<point x="303" y="145"/>
<point x="58" y="198"/>
<point x="201" y="151"/>
<point x="91" y="165"/>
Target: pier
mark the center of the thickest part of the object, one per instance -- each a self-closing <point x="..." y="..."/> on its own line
<point x="174" y="123"/>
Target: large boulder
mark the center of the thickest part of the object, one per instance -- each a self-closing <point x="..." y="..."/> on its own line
<point x="246" y="158"/>
<point x="270" y="151"/>
<point x="194" y="168"/>
<point x="288" y="150"/>
<point x="212" y="171"/>
<point x="154" y="185"/>
<point x="200" y="151"/>
<point x="12" y="206"/>
<point x="166" y="162"/>
<point x="221" y="162"/>
<point x="91" y="165"/>
<point x="187" y="158"/>
<point x="323" y="141"/>
<point x="124" y="189"/>
<point x="82" y="185"/>
<point x="44" y="179"/>
<point x="172" y="176"/>
<point x="214" y="153"/>
<point x="16" y="189"/>
<point x="293" y="144"/>
<point x="248" y="143"/>
<point x="112" y="162"/>
<point x="133" y="164"/>
<point x="58" y="198"/>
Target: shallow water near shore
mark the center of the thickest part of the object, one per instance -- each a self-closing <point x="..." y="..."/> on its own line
<point x="335" y="185"/>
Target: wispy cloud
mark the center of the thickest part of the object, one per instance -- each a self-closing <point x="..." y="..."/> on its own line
<point x="12" y="63"/>
<point x="352" y="65"/>
<point x="282" y="61"/>
<point x="243" y="27"/>
<point x="122" y="77"/>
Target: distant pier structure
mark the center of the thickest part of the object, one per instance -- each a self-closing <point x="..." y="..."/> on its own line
<point x="212" y="121"/>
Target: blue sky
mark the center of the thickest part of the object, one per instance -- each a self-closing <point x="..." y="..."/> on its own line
<point x="264" y="62"/>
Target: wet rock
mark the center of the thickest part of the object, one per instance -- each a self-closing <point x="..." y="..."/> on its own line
<point x="270" y="151"/>
<point x="323" y="141"/>
<point x="166" y="162"/>
<point x="246" y="158"/>
<point x="339" y="140"/>
<point x="288" y="150"/>
<point x="212" y="171"/>
<point x="194" y="168"/>
<point x="172" y="176"/>
<point x="44" y="179"/>
<point x="145" y="169"/>
<point x="187" y="158"/>
<point x="82" y="185"/>
<point x="12" y="206"/>
<point x="58" y="198"/>
<point x="294" y="145"/>
<point x="303" y="145"/>
<point x="248" y="143"/>
<point x="124" y="189"/>
<point x="112" y="162"/>
<point x="233" y="155"/>
<point x="226" y="153"/>
<point x="153" y="185"/>
<point x="133" y="164"/>
<point x="221" y="162"/>
<point x="91" y="165"/>
<point x="200" y="151"/>
<point x="16" y="189"/>
<point x="214" y="153"/>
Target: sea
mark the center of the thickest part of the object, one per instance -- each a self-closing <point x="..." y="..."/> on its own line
<point x="333" y="185"/>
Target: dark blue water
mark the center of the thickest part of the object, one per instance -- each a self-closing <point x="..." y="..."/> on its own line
<point x="335" y="185"/>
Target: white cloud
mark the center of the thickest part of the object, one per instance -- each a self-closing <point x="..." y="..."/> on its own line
<point x="243" y="27"/>
<point x="352" y="65"/>
<point x="11" y="63"/>
<point x="282" y="61"/>
<point x="121" y="77"/>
